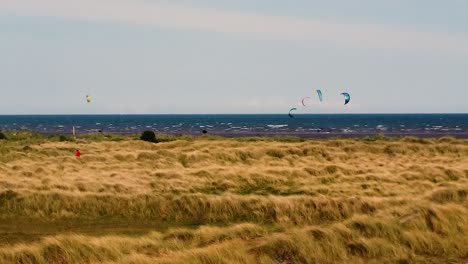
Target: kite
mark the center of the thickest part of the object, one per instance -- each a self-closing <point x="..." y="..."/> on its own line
<point x="320" y="95"/>
<point x="347" y="97"/>
<point x="303" y="100"/>
<point x="88" y="98"/>
<point x="292" y="109"/>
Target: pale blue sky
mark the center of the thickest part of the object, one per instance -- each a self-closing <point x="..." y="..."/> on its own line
<point x="243" y="56"/>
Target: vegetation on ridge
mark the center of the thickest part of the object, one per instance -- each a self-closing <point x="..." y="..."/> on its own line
<point x="246" y="200"/>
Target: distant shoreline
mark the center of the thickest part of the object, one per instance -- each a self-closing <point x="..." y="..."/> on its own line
<point x="343" y="135"/>
<point x="318" y="135"/>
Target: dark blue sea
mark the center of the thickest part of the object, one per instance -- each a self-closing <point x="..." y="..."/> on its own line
<point x="247" y="125"/>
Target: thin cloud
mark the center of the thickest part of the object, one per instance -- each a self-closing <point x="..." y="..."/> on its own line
<point x="223" y="21"/>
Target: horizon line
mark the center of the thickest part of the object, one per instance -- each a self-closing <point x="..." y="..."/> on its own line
<point x="298" y="114"/>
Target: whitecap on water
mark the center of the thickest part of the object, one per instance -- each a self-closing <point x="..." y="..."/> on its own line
<point x="276" y="126"/>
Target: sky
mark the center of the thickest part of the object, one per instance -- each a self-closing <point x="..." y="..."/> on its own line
<point x="243" y="56"/>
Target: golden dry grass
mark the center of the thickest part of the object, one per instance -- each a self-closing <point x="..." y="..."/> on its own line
<point x="215" y="200"/>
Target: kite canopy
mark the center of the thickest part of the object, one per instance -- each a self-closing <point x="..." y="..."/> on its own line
<point x="320" y="95"/>
<point x="303" y="100"/>
<point x="88" y="98"/>
<point x="347" y="97"/>
<point x="291" y="110"/>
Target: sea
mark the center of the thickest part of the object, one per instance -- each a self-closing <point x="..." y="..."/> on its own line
<point x="301" y="125"/>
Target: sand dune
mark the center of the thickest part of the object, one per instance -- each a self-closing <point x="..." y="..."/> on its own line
<point x="246" y="200"/>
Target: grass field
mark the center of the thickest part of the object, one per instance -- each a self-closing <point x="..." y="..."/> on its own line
<point x="246" y="200"/>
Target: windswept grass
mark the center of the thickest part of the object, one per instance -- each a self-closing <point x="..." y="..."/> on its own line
<point x="247" y="200"/>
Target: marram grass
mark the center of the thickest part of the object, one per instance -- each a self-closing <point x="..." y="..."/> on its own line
<point x="247" y="200"/>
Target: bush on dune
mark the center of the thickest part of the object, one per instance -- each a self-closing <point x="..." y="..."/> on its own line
<point x="149" y="136"/>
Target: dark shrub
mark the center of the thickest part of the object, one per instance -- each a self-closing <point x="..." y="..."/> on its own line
<point x="149" y="136"/>
<point x="63" y="138"/>
<point x="2" y="136"/>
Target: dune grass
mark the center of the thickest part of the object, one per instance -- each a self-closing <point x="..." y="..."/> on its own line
<point x="246" y="200"/>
